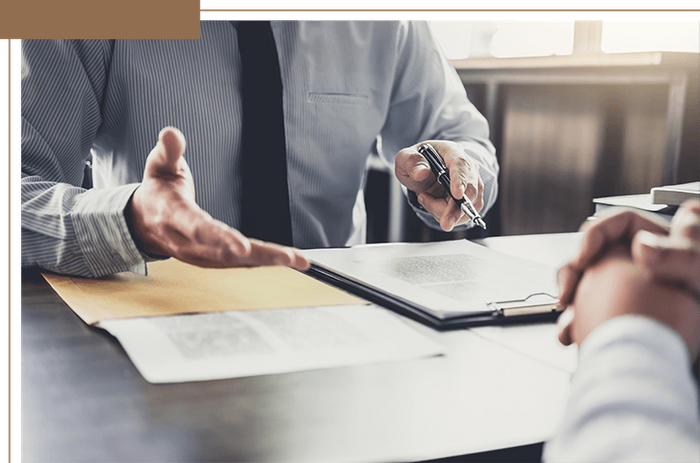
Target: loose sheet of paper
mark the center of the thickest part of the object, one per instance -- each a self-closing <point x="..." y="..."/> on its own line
<point x="537" y="341"/>
<point x="220" y="345"/>
<point x="447" y="277"/>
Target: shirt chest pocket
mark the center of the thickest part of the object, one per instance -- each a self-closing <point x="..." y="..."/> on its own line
<point x="349" y="118"/>
<point x="340" y="99"/>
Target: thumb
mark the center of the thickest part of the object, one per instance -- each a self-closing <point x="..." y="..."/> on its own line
<point x="412" y="169"/>
<point x="166" y="161"/>
<point x="686" y="221"/>
<point x="170" y="148"/>
<point x="418" y="168"/>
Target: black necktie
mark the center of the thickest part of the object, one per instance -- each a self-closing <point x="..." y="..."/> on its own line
<point x="265" y="197"/>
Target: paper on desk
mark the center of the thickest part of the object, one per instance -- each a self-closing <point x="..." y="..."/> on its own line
<point x="222" y="345"/>
<point x="173" y="287"/>
<point x="536" y="341"/>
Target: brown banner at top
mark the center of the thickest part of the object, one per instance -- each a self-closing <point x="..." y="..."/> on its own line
<point x="93" y="19"/>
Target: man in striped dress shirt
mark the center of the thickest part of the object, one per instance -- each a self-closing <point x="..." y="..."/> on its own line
<point x="349" y="89"/>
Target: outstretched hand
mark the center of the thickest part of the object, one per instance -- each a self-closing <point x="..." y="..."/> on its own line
<point x="165" y="220"/>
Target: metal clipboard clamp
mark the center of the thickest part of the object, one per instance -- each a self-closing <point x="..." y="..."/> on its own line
<point x="517" y="307"/>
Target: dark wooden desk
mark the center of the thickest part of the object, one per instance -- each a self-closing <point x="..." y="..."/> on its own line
<point x="83" y="400"/>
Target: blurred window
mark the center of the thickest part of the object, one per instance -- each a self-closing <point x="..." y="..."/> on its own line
<point x="513" y="39"/>
<point x="639" y="36"/>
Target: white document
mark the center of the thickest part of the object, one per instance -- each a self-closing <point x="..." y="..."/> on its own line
<point x="447" y="278"/>
<point x="234" y="344"/>
<point x="537" y="341"/>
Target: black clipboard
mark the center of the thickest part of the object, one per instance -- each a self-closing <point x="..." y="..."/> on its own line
<point x="496" y="313"/>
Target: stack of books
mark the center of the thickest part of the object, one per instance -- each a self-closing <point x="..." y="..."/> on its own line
<point x="663" y="200"/>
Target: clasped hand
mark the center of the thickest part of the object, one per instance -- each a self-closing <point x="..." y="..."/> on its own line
<point x="630" y="263"/>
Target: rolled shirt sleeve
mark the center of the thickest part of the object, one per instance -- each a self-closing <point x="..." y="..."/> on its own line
<point x="66" y="228"/>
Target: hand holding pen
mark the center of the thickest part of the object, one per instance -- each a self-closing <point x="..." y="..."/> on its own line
<point x="439" y="168"/>
<point x="452" y="165"/>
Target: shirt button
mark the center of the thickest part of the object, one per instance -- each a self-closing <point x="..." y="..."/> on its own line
<point x="117" y="259"/>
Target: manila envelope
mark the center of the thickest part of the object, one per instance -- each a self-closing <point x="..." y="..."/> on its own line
<point x="173" y="287"/>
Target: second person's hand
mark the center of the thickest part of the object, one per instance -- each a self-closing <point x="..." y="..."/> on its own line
<point x="670" y="255"/>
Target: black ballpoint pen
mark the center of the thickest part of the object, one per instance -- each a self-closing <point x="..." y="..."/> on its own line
<point x="439" y="168"/>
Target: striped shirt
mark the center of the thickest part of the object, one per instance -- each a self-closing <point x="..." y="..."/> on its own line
<point x="350" y="89"/>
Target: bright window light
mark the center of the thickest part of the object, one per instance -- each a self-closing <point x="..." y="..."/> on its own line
<point x="504" y="39"/>
<point x="520" y="39"/>
<point x="455" y="37"/>
<point x="640" y="36"/>
<point x="511" y="39"/>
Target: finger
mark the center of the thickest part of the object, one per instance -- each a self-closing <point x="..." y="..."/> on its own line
<point x="218" y="245"/>
<point x="565" y="324"/>
<point x="445" y="210"/>
<point x="217" y="252"/>
<point x="568" y="278"/>
<point x="674" y="258"/>
<point x="172" y="143"/>
<point x="413" y="171"/>
<point x="265" y="253"/>
<point x="232" y="243"/>
<point x="686" y="221"/>
<point x="464" y="177"/>
<point x="166" y="165"/>
<point x="617" y="228"/>
<point x="452" y="216"/>
<point x="478" y="205"/>
<point x="191" y="227"/>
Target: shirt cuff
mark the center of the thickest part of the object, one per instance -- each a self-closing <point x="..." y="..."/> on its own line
<point x="102" y="232"/>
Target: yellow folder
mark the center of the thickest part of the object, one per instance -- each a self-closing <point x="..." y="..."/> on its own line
<point x="174" y="287"/>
